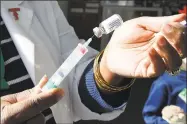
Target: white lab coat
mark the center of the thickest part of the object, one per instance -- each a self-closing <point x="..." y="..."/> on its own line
<point x="44" y="39"/>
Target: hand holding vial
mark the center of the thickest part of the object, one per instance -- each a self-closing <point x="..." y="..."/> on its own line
<point x="131" y="51"/>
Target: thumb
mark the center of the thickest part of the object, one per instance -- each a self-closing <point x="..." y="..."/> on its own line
<point x="28" y="108"/>
<point x="155" y="23"/>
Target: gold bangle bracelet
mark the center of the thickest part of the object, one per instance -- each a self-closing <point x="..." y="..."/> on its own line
<point x="101" y="83"/>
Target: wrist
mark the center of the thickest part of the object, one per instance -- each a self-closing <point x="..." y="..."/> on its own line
<point x="110" y="77"/>
<point x="108" y="81"/>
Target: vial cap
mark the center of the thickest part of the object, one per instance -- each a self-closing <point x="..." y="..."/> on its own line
<point x="97" y="32"/>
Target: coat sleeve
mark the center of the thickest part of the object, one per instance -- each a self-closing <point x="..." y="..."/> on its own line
<point x="69" y="41"/>
<point x="156" y="101"/>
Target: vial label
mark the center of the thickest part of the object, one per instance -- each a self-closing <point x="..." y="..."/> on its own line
<point x="111" y="23"/>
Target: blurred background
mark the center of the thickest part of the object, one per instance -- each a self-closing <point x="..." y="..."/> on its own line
<point x="84" y="15"/>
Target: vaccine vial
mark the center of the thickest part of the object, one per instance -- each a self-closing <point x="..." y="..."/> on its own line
<point x="108" y="25"/>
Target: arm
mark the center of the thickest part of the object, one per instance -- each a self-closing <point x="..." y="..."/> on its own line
<point x="156" y="101"/>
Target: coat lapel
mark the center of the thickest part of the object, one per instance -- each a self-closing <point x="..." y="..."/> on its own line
<point x="27" y="34"/>
<point x="18" y="30"/>
<point x="25" y="14"/>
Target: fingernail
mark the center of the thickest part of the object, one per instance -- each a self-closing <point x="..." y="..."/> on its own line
<point x="44" y="77"/>
<point x="58" y="92"/>
<point x="152" y="52"/>
<point x="162" y="42"/>
<point x="38" y="90"/>
<point x="167" y="28"/>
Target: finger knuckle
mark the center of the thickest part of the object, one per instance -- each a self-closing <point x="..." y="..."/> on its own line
<point x="30" y="91"/>
<point x="23" y="94"/>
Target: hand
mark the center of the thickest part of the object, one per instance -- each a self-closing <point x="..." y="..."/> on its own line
<point x="132" y="52"/>
<point x="27" y="106"/>
<point x="173" y="115"/>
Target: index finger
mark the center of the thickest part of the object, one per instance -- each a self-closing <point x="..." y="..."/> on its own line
<point x="28" y="108"/>
<point x="155" y="23"/>
<point x="17" y="97"/>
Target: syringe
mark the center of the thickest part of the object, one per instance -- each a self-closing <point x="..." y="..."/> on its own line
<point x="68" y="65"/>
<point x="88" y="41"/>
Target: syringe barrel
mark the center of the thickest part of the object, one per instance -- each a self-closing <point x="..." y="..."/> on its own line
<point x="66" y="67"/>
